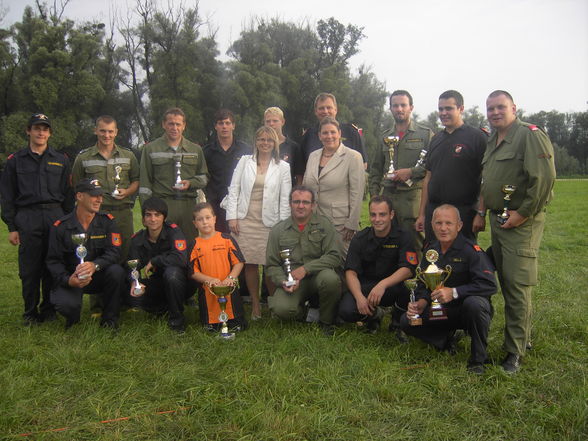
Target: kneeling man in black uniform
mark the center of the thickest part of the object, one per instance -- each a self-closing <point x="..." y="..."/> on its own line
<point x="162" y="253"/>
<point x="465" y="296"/>
<point x="379" y="259"/>
<point x="99" y="273"/>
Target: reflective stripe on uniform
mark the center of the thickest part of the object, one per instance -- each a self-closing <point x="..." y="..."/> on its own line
<point x="103" y="162"/>
<point x="171" y="155"/>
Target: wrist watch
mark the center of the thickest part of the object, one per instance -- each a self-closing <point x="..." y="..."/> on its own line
<point x="455" y="296"/>
<point x="96" y="267"/>
<point x="481" y="213"/>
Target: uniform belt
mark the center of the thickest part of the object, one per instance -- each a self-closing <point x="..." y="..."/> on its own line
<point x="47" y="206"/>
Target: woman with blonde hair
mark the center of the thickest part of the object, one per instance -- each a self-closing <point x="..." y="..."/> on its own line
<point x="258" y="199"/>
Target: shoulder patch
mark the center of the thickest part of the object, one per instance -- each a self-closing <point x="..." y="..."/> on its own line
<point x="180" y="245"/>
<point x="110" y="216"/>
<point x="412" y="258"/>
<point x="477" y="248"/>
<point x="533" y="127"/>
<point x="116" y="240"/>
<point x="57" y="222"/>
<point x="173" y="225"/>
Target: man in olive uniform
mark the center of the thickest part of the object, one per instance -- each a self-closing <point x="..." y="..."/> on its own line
<point x="521" y="155"/>
<point x="110" y="163"/>
<point x="315" y="256"/>
<point x="408" y="167"/>
<point x="159" y="171"/>
<point x="35" y="192"/>
<point x="325" y="104"/>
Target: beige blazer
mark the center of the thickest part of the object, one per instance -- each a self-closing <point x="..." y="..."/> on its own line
<point x="339" y="188"/>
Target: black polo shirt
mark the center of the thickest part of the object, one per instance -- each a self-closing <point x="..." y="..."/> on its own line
<point x="170" y="249"/>
<point x="221" y="165"/>
<point x="375" y="258"/>
<point x="455" y="163"/>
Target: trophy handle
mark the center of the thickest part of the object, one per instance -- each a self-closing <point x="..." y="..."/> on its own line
<point x="449" y="270"/>
<point x="419" y="274"/>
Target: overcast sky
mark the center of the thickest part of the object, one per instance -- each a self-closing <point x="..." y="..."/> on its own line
<point x="535" y="49"/>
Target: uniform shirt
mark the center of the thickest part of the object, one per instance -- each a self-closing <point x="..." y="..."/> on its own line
<point x="158" y="169"/>
<point x="525" y="159"/>
<point x="215" y="257"/>
<point x="221" y="165"/>
<point x="455" y="163"/>
<point x="350" y="136"/>
<point x="103" y="244"/>
<point x="406" y="155"/>
<point x="91" y="164"/>
<point x="30" y="179"/>
<point x="317" y="247"/>
<point x="169" y="249"/>
<point x="375" y="258"/>
<point x="472" y="273"/>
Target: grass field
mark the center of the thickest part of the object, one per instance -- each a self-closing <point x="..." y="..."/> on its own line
<point x="288" y="382"/>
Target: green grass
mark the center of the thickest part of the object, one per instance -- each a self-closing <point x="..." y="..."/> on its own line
<point x="281" y="381"/>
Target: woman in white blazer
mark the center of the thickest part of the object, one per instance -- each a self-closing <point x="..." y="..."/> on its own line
<point x="258" y="198"/>
<point x="337" y="176"/>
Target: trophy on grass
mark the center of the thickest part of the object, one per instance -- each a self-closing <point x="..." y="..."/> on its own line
<point x="137" y="289"/>
<point x="411" y="285"/>
<point x="508" y="190"/>
<point x="116" y="179"/>
<point x="391" y="142"/>
<point x="81" y="251"/>
<point x="285" y="255"/>
<point x="419" y="162"/>
<point x="178" y="165"/>
<point x="434" y="278"/>
<point x="222" y="292"/>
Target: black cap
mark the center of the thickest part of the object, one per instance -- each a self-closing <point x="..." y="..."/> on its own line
<point x="39" y="118"/>
<point x="90" y="186"/>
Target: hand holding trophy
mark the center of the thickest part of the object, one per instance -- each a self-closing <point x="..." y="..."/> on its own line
<point x="222" y="292"/>
<point x="411" y="285"/>
<point x="137" y="288"/>
<point x="81" y="251"/>
<point x="117" y="180"/>
<point x="178" y="166"/>
<point x="508" y="190"/>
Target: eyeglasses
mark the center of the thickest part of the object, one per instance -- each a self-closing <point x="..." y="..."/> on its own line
<point x="299" y="202"/>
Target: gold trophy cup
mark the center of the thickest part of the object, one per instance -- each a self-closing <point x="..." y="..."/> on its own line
<point x="222" y="292"/>
<point x="508" y="190"/>
<point x="411" y="285"/>
<point x="434" y="278"/>
<point x="391" y="142"/>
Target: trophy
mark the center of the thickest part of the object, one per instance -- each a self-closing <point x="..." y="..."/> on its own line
<point x="81" y="251"/>
<point x="508" y="190"/>
<point x="221" y="292"/>
<point x="433" y="278"/>
<point x="116" y="179"/>
<point x="178" y="164"/>
<point x="411" y="285"/>
<point x="419" y="162"/>
<point x="391" y="142"/>
<point x="285" y="255"/>
<point x="137" y="289"/>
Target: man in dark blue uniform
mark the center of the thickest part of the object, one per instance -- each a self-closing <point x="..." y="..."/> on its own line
<point x="222" y="155"/>
<point x="325" y="104"/>
<point x="35" y="192"/>
<point x="99" y="273"/>
<point x="379" y="259"/>
<point x="162" y="253"/>
<point x="465" y="296"/>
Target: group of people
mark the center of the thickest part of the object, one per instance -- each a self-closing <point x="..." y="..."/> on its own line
<point x="211" y="213"/>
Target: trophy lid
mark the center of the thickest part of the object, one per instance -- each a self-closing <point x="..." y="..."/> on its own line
<point x="432" y="256"/>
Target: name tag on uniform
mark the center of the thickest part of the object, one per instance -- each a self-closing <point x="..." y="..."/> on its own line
<point x="458" y="259"/>
<point x="55" y="163"/>
<point x="102" y="236"/>
<point x="414" y="140"/>
<point x="389" y="246"/>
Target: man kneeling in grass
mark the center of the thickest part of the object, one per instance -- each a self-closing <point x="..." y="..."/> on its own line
<point x="465" y="296"/>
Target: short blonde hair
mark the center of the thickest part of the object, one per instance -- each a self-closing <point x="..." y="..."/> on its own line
<point x="271" y="133"/>
<point x="273" y="111"/>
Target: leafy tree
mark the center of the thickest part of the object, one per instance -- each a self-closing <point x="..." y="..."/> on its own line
<point x="474" y="117"/>
<point x="565" y="164"/>
<point x="579" y="139"/>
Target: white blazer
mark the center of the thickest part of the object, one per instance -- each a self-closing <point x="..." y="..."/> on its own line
<point x="276" y="191"/>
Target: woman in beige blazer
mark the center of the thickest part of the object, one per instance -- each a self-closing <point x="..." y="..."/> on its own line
<point x="336" y="175"/>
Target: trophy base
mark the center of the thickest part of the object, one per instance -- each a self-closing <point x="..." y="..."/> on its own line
<point x="290" y="283"/>
<point x="437" y="314"/>
<point x="137" y="292"/>
<point x="115" y="194"/>
<point x="409" y="182"/>
<point x="502" y="219"/>
<point x="415" y="321"/>
<point x="391" y="176"/>
<point x="178" y="187"/>
<point x="226" y="335"/>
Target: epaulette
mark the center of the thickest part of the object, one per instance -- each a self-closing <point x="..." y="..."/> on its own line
<point x="485" y="130"/>
<point x="354" y="126"/>
<point x="134" y="234"/>
<point x="173" y="225"/>
<point x="533" y="127"/>
<point x="84" y="150"/>
<point x="304" y="131"/>
<point x="110" y="216"/>
<point x="10" y="156"/>
<point x="57" y="222"/>
<point x="477" y="247"/>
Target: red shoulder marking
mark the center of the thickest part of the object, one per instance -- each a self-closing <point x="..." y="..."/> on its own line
<point x="57" y="222"/>
<point x="477" y="248"/>
<point x="10" y="157"/>
<point x="110" y="216"/>
<point x="533" y="127"/>
<point x="485" y="130"/>
<point x="173" y="225"/>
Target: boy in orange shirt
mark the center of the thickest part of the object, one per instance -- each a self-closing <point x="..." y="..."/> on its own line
<point x="216" y="260"/>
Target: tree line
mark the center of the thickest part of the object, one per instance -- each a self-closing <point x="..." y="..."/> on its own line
<point x="156" y="57"/>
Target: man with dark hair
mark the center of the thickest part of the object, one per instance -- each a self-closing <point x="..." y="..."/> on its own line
<point x="404" y="186"/>
<point x="171" y="158"/>
<point x="519" y="155"/>
<point x="465" y="295"/>
<point x="90" y="266"/>
<point x="222" y="156"/>
<point x="315" y="252"/>
<point x="117" y="169"/>
<point x="162" y="253"/>
<point x="454" y="169"/>
<point x="379" y="259"/>
<point x="35" y="193"/>
<point x="325" y="104"/>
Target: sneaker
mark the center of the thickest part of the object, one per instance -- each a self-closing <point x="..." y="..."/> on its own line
<point x="511" y="363"/>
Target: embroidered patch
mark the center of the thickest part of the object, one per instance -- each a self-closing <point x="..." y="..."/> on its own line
<point x="412" y="258"/>
<point x="116" y="240"/>
<point x="180" y="245"/>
